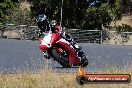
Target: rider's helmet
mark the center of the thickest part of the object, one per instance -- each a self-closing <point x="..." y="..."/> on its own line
<point x="42" y="22"/>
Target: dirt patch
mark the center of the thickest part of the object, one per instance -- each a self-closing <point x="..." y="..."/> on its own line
<point x="25" y="5"/>
<point x="11" y="34"/>
<point x="129" y="41"/>
<point x="119" y="40"/>
<point x="125" y="20"/>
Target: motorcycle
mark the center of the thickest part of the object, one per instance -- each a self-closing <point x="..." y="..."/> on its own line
<point x="61" y="50"/>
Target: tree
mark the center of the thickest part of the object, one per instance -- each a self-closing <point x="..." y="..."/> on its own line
<point x="79" y="13"/>
<point x="96" y="18"/>
<point x="101" y="15"/>
<point x="5" y="8"/>
<point x="74" y="13"/>
<point x="20" y="16"/>
<point x="126" y="6"/>
<point x="73" y="10"/>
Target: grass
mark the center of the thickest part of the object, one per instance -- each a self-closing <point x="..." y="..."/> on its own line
<point x="51" y="79"/>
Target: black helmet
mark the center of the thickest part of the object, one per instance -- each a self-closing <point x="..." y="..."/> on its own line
<point x="42" y="22"/>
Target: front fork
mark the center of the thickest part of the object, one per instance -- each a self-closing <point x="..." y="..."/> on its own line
<point x="80" y="55"/>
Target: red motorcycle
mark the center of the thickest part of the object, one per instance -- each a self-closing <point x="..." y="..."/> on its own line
<point x="61" y="50"/>
<point x="58" y="47"/>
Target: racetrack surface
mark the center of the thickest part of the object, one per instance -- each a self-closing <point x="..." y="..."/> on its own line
<point x="24" y="55"/>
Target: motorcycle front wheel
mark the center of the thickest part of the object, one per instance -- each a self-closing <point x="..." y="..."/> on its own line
<point x="60" y="58"/>
<point x="84" y="61"/>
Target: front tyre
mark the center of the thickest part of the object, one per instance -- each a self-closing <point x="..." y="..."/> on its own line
<point x="84" y="61"/>
<point x="60" y="59"/>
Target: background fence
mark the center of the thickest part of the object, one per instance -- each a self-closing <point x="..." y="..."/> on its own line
<point x="89" y="36"/>
<point x="84" y="36"/>
<point x="100" y="36"/>
<point x="18" y="31"/>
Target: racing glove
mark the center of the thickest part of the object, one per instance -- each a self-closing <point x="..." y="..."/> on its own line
<point x="46" y="55"/>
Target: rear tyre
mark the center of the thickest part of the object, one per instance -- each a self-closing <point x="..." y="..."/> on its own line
<point x="60" y="59"/>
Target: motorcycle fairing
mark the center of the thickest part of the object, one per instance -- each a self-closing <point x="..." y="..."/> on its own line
<point x="55" y="39"/>
<point x="46" y="40"/>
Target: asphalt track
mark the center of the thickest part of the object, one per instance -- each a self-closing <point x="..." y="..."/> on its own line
<point x="24" y="55"/>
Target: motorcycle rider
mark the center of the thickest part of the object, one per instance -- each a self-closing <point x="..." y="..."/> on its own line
<point x="45" y="26"/>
